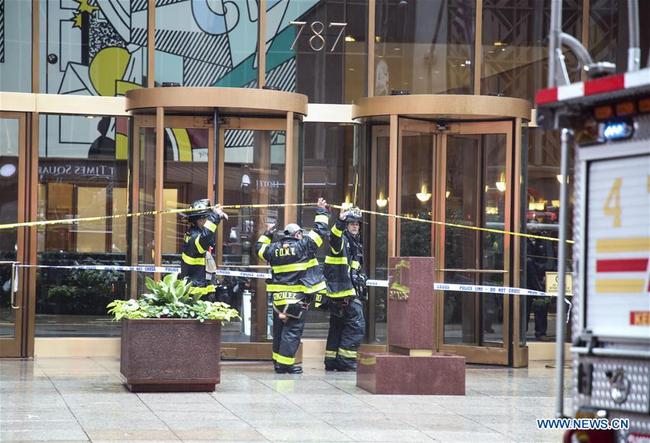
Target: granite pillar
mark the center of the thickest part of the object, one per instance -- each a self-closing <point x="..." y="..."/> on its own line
<point x="411" y="366"/>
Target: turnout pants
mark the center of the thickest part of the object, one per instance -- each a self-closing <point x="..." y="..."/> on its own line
<point x="287" y="334"/>
<point x="347" y="328"/>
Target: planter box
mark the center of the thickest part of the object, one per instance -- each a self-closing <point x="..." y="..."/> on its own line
<point x="170" y="355"/>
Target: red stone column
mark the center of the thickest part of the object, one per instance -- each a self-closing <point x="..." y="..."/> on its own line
<point x="411" y="366"/>
<point x="411" y="308"/>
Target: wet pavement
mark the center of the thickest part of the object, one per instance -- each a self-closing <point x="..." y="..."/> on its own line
<point x="83" y="399"/>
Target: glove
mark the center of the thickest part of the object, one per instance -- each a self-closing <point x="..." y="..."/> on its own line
<point x="270" y="230"/>
<point x="359" y="279"/>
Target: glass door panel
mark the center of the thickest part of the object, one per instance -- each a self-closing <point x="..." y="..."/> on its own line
<point x="253" y="175"/>
<point x="378" y="258"/>
<point x="416" y="151"/>
<point x="462" y="193"/>
<point x="12" y="146"/>
<point x="475" y="192"/>
<point x="185" y="172"/>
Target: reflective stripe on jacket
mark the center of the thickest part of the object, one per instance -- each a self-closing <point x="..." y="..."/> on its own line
<point x="294" y="267"/>
<point x="196" y="243"/>
<point x="340" y="261"/>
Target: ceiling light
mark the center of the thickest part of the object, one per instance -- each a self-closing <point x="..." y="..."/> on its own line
<point x="501" y="184"/>
<point x="559" y="178"/>
<point x="7" y="170"/>
<point x="349" y="38"/>
<point x="423" y="195"/>
<point x="382" y="201"/>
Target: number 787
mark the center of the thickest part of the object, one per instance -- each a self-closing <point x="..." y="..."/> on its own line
<point x="317" y="41"/>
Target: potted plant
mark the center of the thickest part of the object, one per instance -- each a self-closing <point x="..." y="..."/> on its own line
<point x="170" y="338"/>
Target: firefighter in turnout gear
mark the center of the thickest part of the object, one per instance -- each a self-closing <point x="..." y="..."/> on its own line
<point x="346" y="290"/>
<point x="295" y="277"/>
<point x="197" y="242"/>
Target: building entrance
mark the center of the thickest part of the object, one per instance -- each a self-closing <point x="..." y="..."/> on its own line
<point x="231" y="155"/>
<point x="451" y="178"/>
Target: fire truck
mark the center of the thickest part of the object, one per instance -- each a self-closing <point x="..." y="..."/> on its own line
<point x="606" y="119"/>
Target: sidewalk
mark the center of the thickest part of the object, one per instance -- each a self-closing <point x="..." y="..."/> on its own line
<point x="83" y="399"/>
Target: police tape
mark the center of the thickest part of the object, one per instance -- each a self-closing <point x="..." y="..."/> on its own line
<point x="448" y="287"/>
<point x="269" y="205"/>
<point x="69" y="221"/>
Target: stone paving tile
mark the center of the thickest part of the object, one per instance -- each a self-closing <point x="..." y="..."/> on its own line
<point x="185" y="423"/>
<point x="253" y="404"/>
<point x="221" y="434"/>
<point x="39" y="424"/>
<point x="271" y="416"/>
<point x="388" y="435"/>
<point x="314" y="432"/>
<point x="467" y="437"/>
<point x="121" y="435"/>
<point x="43" y="435"/>
<point x="238" y="435"/>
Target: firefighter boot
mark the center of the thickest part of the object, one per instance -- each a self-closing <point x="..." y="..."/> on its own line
<point x="288" y="369"/>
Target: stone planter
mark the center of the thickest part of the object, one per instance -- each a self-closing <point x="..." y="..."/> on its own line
<point x="170" y="355"/>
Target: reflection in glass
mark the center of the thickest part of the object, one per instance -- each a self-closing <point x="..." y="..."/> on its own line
<point x="424" y="47"/>
<point x="83" y="172"/>
<point x="185" y="181"/>
<point x="416" y="184"/>
<point x="542" y="218"/>
<point x="515" y="47"/>
<point x="475" y="196"/>
<point x="379" y="226"/>
<point x="328" y="172"/>
<point x="9" y="147"/>
<point x="254" y="168"/>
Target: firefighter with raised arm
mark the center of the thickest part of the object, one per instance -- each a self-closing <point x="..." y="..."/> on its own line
<point x="346" y="291"/>
<point x="295" y="277"/>
<point x="198" y="240"/>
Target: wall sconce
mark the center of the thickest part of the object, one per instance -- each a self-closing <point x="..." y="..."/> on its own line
<point x="7" y="170"/>
<point x="559" y="178"/>
<point x="382" y="201"/>
<point x="501" y="184"/>
<point x="447" y="194"/>
<point x="423" y="195"/>
<point x="245" y="181"/>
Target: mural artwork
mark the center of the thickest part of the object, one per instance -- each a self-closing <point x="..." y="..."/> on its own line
<point x="99" y="47"/>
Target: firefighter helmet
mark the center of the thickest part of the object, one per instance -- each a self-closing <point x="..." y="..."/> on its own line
<point x="354" y="215"/>
<point x="199" y="208"/>
<point x="291" y="229"/>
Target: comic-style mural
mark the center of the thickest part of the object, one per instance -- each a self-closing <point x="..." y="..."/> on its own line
<point x="15" y="46"/>
<point x="99" y="47"/>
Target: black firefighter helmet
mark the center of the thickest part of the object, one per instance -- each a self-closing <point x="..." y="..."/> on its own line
<point x="354" y="215"/>
<point x="199" y="208"/>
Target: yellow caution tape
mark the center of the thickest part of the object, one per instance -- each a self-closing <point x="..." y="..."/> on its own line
<point x="457" y="225"/>
<point x="185" y="211"/>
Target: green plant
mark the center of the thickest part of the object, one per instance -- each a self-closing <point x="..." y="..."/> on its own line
<point x="171" y="298"/>
<point x="82" y="292"/>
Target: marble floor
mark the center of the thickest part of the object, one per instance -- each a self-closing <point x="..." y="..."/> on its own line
<point x="83" y="399"/>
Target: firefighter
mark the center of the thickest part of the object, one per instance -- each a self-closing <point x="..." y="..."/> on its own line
<point x="295" y="277"/>
<point x="346" y="291"/>
<point x="197" y="242"/>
